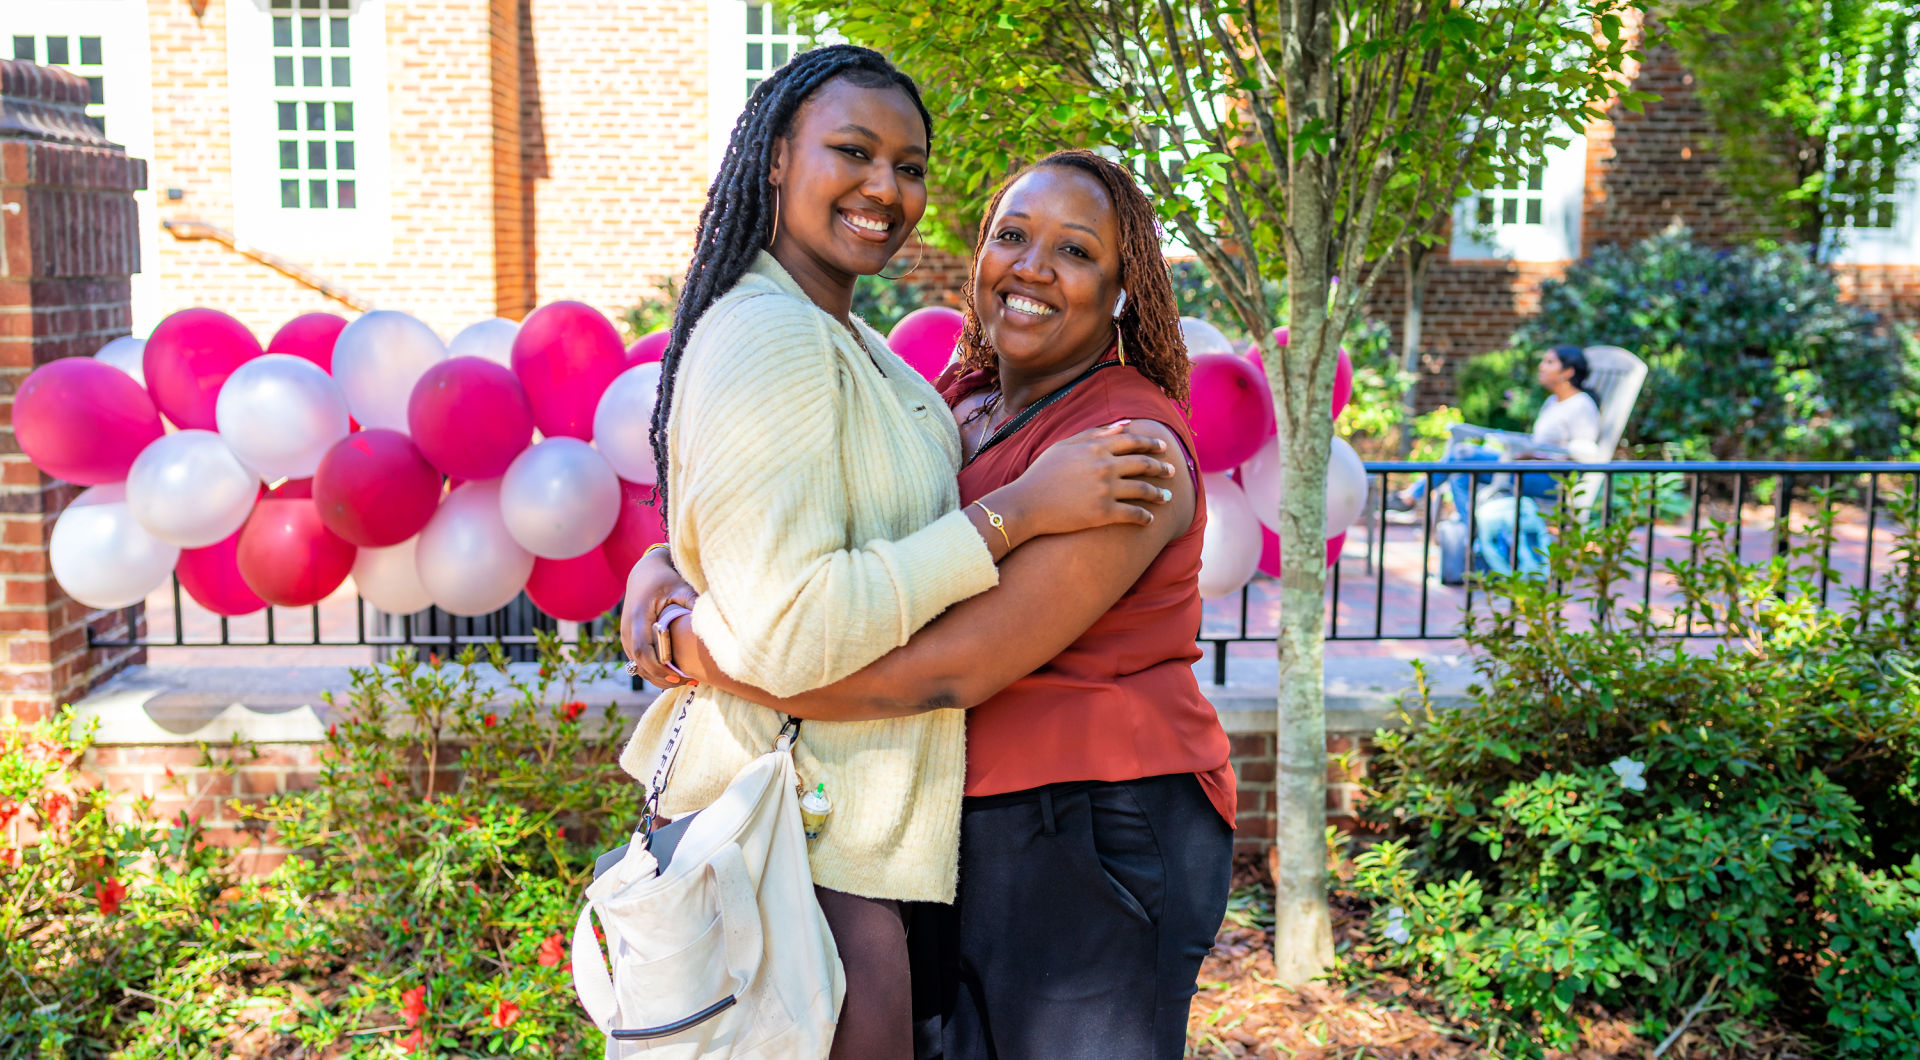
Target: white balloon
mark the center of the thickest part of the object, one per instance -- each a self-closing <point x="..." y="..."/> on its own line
<point x="102" y="557"/>
<point x="1230" y="547"/>
<point x="1264" y="477"/>
<point x="190" y="490"/>
<point x="1203" y="337"/>
<point x="376" y="361"/>
<point x="559" y="498"/>
<point x="466" y="560"/>
<point x="281" y="414"/>
<point x="389" y="578"/>
<point x="623" y="420"/>
<point x="492" y="339"/>
<point x="127" y="354"/>
<point x="1346" y="487"/>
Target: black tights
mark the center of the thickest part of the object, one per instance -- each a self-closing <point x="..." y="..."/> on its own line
<point x="876" y="1020"/>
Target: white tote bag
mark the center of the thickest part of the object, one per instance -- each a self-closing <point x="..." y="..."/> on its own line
<point x="726" y="953"/>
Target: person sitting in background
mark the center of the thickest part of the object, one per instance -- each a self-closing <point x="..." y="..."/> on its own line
<point x="1568" y="427"/>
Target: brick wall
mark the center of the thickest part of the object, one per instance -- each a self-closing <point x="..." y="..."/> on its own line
<point x="1253" y="757"/>
<point x="1645" y="172"/>
<point x="442" y="57"/>
<point x="69" y="240"/>
<point x="614" y="111"/>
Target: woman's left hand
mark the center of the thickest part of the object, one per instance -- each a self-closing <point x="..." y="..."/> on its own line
<point x="651" y="586"/>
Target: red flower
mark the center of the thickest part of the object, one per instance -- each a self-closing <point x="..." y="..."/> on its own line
<point x="57" y="811"/>
<point x="433" y="659"/>
<point x="11" y="856"/>
<point x="386" y="780"/>
<point x="573" y="710"/>
<point x="410" y="1044"/>
<point x="407" y="925"/>
<point x="109" y="893"/>
<point x="561" y="833"/>
<point x="413" y="1005"/>
<point x="8" y="810"/>
<point x="169" y="771"/>
<point x="470" y="821"/>
<point x="504" y="1014"/>
<point x="553" y="950"/>
<point x="544" y="672"/>
<point x="490" y="720"/>
<point x="333" y="730"/>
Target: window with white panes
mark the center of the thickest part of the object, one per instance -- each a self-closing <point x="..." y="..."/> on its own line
<point x="313" y="71"/>
<point x="772" y="38"/>
<point x="1873" y="193"/>
<point x="1534" y="216"/>
<point x="82" y="54"/>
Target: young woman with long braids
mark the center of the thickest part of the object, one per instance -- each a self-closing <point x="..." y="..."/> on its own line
<point x="809" y="478"/>
<point x="1096" y="838"/>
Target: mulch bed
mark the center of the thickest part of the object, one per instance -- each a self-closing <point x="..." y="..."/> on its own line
<point x="1376" y="1014"/>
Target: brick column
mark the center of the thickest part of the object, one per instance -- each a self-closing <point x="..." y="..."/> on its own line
<point x="69" y="240"/>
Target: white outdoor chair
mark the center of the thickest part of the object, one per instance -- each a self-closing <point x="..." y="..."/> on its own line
<point x="1615" y="378"/>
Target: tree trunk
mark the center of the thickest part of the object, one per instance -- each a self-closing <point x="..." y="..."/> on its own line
<point x="1418" y="258"/>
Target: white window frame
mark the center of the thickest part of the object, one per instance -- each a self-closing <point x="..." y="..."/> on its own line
<point x="1898" y="245"/>
<point x="1563" y="196"/>
<point x="366" y="230"/>
<point x="727" y="71"/>
<point x="127" y="74"/>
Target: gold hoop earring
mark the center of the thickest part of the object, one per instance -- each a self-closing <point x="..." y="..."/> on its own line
<point x="916" y="258"/>
<point x="776" y="218"/>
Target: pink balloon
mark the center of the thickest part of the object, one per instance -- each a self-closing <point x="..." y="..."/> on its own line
<point x="211" y="576"/>
<point x="580" y="589"/>
<point x="1232" y="411"/>
<point x="309" y="335"/>
<point x="1342" y="370"/>
<point x="287" y="555"/>
<point x="647" y="348"/>
<point x="83" y="420"/>
<point x="565" y="354"/>
<point x="374" y="489"/>
<point x="925" y="338"/>
<point x="1270" y="551"/>
<point x="470" y="417"/>
<point x="639" y="525"/>
<point x="187" y="359"/>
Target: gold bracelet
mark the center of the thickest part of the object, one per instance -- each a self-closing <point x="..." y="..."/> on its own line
<point x="997" y="523"/>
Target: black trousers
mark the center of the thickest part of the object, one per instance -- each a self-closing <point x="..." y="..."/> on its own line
<point x="1084" y="912"/>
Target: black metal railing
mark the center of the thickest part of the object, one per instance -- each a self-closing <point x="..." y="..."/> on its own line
<point x="1388" y="584"/>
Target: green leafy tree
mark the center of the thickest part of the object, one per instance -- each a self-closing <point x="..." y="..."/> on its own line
<point x="1817" y="102"/>
<point x="1304" y="140"/>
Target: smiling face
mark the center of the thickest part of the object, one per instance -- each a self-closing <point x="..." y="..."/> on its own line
<point x="852" y="180"/>
<point x="1048" y="274"/>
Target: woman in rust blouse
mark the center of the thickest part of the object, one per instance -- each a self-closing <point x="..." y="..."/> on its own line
<point x="1096" y="838"/>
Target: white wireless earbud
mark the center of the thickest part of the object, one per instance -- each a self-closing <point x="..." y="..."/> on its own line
<point x="1120" y="304"/>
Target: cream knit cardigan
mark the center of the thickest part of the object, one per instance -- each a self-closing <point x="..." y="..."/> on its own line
<point x="813" y="505"/>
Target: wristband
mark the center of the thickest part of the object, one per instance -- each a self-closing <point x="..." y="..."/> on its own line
<point x="660" y="632"/>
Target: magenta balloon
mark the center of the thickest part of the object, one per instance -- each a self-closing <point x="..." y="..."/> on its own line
<point x="374" y="489"/>
<point x="189" y="357"/>
<point x="211" y="576"/>
<point x="1232" y="411"/>
<point x="565" y="354"/>
<point x="638" y="527"/>
<point x="925" y="339"/>
<point x="580" y="589"/>
<point x="309" y="335"/>
<point x="83" y="420"/>
<point x="647" y="348"/>
<point x="1342" y="370"/>
<point x="1270" y="551"/>
<point x="470" y="417"/>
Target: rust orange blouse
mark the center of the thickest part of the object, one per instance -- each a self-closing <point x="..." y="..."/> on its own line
<point x="1121" y="703"/>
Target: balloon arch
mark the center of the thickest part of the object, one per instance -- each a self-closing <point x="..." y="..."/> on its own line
<point x="515" y="457"/>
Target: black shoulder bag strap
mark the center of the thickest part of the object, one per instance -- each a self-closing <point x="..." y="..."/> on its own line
<point x="1026" y="416"/>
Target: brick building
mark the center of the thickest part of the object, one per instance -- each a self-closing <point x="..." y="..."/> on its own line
<point x="457" y="159"/>
<point x="1628" y="178"/>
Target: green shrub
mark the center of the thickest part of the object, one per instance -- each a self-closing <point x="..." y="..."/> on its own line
<point x="1500" y="389"/>
<point x="441" y="856"/>
<point x="882" y="302"/>
<point x="1614" y="817"/>
<point x="1750" y="350"/>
